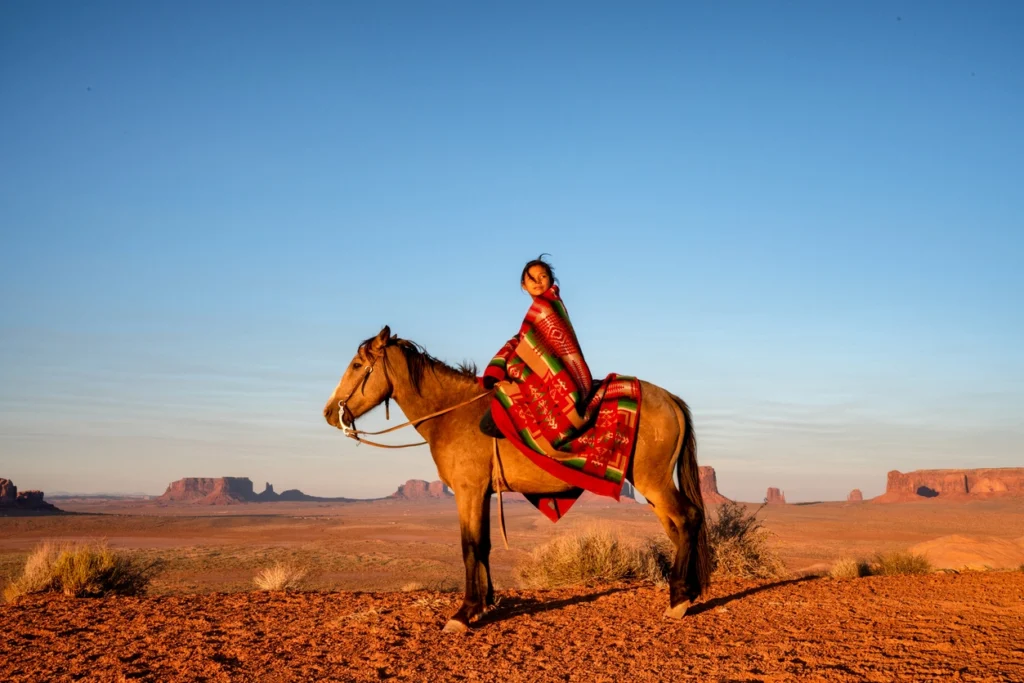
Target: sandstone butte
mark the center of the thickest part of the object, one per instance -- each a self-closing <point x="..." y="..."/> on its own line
<point x="418" y="489"/>
<point x="709" y="486"/>
<point x="775" y="496"/>
<point x="229" y="491"/>
<point x="855" y="496"/>
<point x="962" y="485"/>
<point x="11" y="501"/>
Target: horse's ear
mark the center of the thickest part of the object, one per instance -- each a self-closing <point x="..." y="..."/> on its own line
<point x="381" y="340"/>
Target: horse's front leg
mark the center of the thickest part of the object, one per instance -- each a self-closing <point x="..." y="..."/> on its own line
<point x="475" y="523"/>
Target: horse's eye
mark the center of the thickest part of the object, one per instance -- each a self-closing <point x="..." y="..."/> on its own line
<point x="356" y="365"/>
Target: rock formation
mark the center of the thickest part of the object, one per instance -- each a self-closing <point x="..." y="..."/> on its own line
<point x="709" y="486"/>
<point x="268" y="495"/>
<point x="8" y="492"/>
<point x="25" y="502"/>
<point x="418" y="489"/>
<point x="231" y="490"/>
<point x="775" y="497"/>
<point x="855" y="496"/>
<point x="210" y="491"/>
<point x="953" y="484"/>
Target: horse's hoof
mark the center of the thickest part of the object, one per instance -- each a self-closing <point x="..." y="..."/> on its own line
<point x="454" y="626"/>
<point x="677" y="611"/>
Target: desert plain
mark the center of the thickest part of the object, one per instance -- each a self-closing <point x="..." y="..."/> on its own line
<point x="384" y="575"/>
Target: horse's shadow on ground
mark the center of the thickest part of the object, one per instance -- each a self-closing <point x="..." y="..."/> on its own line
<point x="711" y="604"/>
<point x="510" y="607"/>
<point x="513" y="607"/>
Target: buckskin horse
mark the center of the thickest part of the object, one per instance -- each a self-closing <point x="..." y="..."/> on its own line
<point x="442" y="402"/>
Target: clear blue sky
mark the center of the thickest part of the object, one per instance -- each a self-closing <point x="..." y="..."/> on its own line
<point x="806" y="218"/>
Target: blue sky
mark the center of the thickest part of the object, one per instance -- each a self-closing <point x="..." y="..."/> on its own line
<point x="805" y="218"/>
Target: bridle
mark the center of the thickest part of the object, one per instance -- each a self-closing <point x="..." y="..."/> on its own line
<point x="361" y="386"/>
<point x="353" y="433"/>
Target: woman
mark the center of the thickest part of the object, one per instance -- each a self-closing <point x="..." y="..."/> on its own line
<point x="546" y="403"/>
<point x="540" y="376"/>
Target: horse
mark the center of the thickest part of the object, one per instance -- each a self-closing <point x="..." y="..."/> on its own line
<point x="386" y="367"/>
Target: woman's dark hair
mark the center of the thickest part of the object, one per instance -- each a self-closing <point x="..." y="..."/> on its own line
<point x="539" y="261"/>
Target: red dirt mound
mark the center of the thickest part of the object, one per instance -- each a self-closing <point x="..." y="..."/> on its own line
<point x="964" y="627"/>
<point x="968" y="552"/>
<point x="952" y="484"/>
<point x="855" y="496"/>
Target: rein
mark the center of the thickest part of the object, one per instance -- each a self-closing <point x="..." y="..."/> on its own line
<point x="353" y="433"/>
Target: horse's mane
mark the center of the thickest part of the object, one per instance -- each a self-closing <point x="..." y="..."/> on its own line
<point x="419" y="361"/>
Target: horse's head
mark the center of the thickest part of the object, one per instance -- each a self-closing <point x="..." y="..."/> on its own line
<point x="364" y="384"/>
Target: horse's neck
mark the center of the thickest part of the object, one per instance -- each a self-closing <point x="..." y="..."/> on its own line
<point x="436" y="393"/>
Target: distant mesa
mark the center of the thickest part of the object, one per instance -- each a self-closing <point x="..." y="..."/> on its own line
<point x="231" y="491"/>
<point x="775" y="496"/>
<point x="709" y="486"/>
<point x="418" y="489"/>
<point x="961" y="485"/>
<point x="24" y="503"/>
<point x="209" y="491"/>
<point x="855" y="496"/>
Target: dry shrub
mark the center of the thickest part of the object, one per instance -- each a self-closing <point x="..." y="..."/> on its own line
<point x="445" y="585"/>
<point x="279" y="577"/>
<point x="849" y="568"/>
<point x="900" y="562"/>
<point x="593" y="555"/>
<point x="37" y="577"/>
<point x="739" y="545"/>
<point x="79" y="570"/>
<point x="413" y="587"/>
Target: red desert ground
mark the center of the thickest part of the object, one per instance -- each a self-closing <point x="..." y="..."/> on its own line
<point x="381" y="577"/>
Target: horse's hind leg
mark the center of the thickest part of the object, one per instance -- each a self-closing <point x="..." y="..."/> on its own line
<point x="681" y="520"/>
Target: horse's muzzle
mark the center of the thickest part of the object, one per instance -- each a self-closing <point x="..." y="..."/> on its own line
<point x="337" y="417"/>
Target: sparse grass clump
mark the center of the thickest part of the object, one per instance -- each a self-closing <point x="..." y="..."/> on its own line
<point x="849" y="568"/>
<point x="593" y="555"/>
<point x="740" y="545"/>
<point x="900" y="562"/>
<point x="413" y="587"/>
<point x="279" y="577"/>
<point x="79" y="570"/>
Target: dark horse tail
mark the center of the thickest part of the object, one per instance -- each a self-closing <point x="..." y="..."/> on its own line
<point x="689" y="484"/>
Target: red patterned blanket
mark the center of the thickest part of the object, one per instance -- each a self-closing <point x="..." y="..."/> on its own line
<point x="546" y="403"/>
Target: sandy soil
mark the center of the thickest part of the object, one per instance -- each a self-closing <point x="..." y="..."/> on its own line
<point x="385" y="545"/>
<point x="965" y="627"/>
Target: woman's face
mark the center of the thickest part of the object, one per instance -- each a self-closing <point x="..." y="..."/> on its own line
<point x="537" y="280"/>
